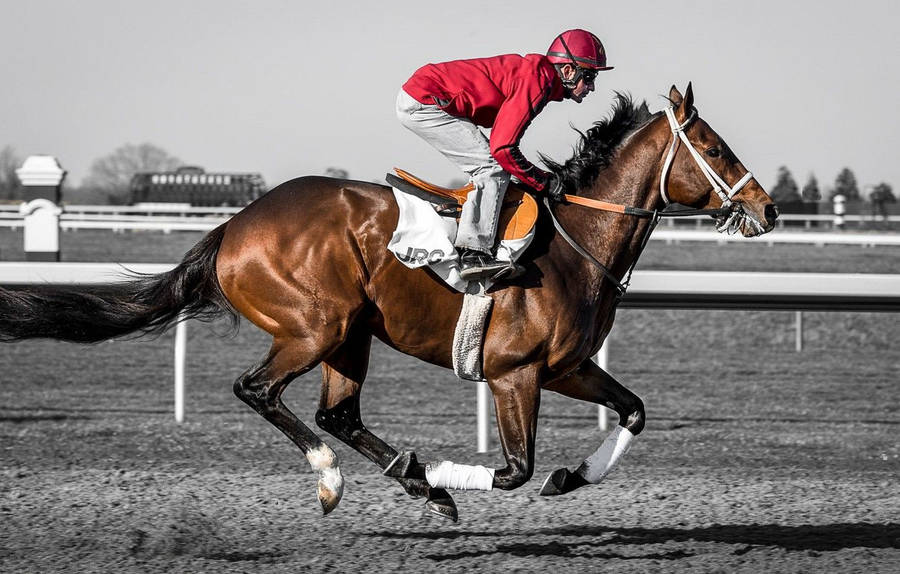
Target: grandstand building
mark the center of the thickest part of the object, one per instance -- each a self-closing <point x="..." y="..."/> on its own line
<point x="192" y="185"/>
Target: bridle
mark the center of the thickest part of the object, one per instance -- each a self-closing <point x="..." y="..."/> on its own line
<point x="718" y="184"/>
<point x="734" y="216"/>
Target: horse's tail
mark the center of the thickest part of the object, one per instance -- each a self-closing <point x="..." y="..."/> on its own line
<point x="144" y="305"/>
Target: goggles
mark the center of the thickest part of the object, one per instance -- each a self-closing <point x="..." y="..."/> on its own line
<point x="588" y="75"/>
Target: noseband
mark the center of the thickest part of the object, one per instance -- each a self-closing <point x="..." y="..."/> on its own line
<point x="724" y="191"/>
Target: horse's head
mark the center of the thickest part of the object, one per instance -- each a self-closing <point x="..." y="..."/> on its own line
<point x="701" y="171"/>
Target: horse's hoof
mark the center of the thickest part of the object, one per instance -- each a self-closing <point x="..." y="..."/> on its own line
<point x="402" y="465"/>
<point x="561" y="481"/>
<point x="414" y="487"/>
<point x="441" y="503"/>
<point x="330" y="489"/>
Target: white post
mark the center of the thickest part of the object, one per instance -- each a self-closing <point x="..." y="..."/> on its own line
<point x="483" y="414"/>
<point x="839" y="210"/>
<point x="41" y="217"/>
<point x="602" y="360"/>
<point x="41" y="177"/>
<point x="798" y="325"/>
<point x="180" y="353"/>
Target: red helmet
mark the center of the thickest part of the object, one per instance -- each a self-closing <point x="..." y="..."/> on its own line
<point x="579" y="48"/>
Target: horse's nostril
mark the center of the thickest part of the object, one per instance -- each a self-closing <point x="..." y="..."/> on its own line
<point x="771" y="213"/>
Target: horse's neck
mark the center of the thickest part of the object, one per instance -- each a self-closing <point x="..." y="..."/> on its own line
<point x="631" y="180"/>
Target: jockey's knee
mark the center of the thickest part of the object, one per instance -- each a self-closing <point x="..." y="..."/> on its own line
<point x="491" y="171"/>
<point x="514" y="475"/>
<point x="632" y="416"/>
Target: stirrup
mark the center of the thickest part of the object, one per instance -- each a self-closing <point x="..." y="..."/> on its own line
<point x="511" y="271"/>
<point x="488" y="267"/>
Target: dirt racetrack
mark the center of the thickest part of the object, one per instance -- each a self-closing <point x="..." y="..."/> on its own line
<point x="753" y="460"/>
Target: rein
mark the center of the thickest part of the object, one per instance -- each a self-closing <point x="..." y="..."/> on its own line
<point x="653" y="215"/>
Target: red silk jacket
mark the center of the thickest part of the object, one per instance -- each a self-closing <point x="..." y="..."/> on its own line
<point x="504" y="93"/>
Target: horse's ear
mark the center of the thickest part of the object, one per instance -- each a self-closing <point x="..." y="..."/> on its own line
<point x="675" y="96"/>
<point x="686" y="104"/>
<point x="688" y="97"/>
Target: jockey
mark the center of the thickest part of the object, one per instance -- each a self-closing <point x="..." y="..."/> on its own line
<point x="445" y="103"/>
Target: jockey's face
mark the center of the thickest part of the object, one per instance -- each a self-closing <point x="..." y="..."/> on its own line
<point x="584" y="85"/>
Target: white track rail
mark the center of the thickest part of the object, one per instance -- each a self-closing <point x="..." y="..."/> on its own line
<point x="649" y="289"/>
<point x="121" y="221"/>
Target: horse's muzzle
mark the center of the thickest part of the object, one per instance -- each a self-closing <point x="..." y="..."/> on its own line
<point x="771" y="213"/>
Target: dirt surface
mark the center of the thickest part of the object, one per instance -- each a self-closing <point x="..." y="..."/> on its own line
<point x="754" y="459"/>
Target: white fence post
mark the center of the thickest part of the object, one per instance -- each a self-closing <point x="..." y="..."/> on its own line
<point x="798" y="326"/>
<point x="483" y="414"/>
<point x="41" y="177"/>
<point x="602" y="360"/>
<point x="180" y="353"/>
<point x="41" y="220"/>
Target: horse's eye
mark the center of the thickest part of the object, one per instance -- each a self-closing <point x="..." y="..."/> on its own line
<point x="714" y="152"/>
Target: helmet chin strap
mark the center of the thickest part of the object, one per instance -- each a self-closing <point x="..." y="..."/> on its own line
<point x="569" y="85"/>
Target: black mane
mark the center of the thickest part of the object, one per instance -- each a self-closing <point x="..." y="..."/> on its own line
<point x="596" y="148"/>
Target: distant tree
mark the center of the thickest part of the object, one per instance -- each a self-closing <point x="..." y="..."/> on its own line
<point x="111" y="175"/>
<point x="845" y="184"/>
<point x="880" y="196"/>
<point x="810" y="190"/>
<point x="337" y="172"/>
<point x="785" y="189"/>
<point x="10" y="188"/>
<point x="883" y="192"/>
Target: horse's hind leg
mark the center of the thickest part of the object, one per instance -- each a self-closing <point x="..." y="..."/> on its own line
<point x="343" y="373"/>
<point x="261" y="387"/>
<point x="591" y="383"/>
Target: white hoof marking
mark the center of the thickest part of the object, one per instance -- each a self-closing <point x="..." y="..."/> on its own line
<point x="331" y="483"/>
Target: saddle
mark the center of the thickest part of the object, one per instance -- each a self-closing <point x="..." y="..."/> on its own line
<point x="517" y="215"/>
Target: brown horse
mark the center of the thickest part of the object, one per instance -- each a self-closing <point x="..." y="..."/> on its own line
<point x="308" y="264"/>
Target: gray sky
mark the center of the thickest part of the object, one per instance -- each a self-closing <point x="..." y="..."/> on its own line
<point x="289" y="88"/>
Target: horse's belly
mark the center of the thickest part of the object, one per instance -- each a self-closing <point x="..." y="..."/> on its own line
<point x="417" y="316"/>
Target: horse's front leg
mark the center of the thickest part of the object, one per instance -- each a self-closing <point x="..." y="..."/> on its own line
<point x="516" y="400"/>
<point x="591" y="383"/>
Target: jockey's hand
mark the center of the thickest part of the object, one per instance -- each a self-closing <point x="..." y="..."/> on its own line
<point x="554" y="189"/>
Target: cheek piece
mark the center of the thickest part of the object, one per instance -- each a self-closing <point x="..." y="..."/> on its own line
<point x="724" y="191"/>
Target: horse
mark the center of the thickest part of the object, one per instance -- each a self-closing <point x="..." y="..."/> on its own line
<point x="307" y="263"/>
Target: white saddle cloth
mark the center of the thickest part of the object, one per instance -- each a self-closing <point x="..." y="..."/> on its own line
<point x="424" y="238"/>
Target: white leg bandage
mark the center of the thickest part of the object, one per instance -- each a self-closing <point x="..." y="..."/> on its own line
<point x="459" y="476"/>
<point x="599" y="464"/>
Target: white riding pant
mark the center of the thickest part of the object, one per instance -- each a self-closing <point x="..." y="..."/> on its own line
<point x="464" y="144"/>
